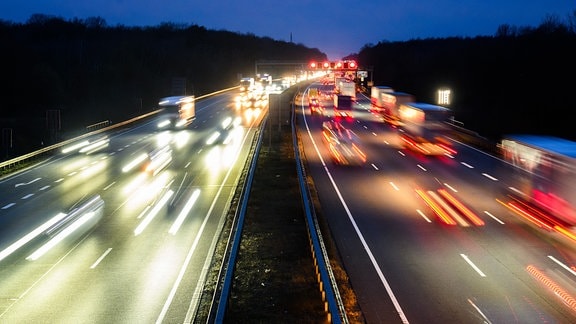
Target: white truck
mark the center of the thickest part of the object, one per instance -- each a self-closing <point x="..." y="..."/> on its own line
<point x="376" y="96"/>
<point x="176" y="111"/>
<point x="545" y="173"/>
<point x="391" y="102"/>
<point x="348" y="88"/>
<point x="424" y="128"/>
<point x="342" y="106"/>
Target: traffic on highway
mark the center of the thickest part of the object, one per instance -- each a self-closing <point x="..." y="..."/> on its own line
<point x="121" y="227"/>
<point x="427" y="228"/>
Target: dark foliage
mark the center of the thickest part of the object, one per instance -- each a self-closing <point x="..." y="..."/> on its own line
<point x="518" y="81"/>
<point x="60" y="76"/>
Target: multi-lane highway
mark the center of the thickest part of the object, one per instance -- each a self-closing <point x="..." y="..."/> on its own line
<point x="483" y="263"/>
<point x="97" y="237"/>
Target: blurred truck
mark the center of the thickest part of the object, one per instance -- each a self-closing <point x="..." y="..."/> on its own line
<point x="247" y="84"/>
<point x="545" y="173"/>
<point x="342" y="106"/>
<point x="376" y="97"/>
<point x="176" y="111"/>
<point x="348" y="88"/>
<point x="424" y="128"/>
<point x="391" y="102"/>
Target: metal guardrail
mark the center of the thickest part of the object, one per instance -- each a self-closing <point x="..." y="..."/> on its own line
<point x="23" y="158"/>
<point x="327" y="281"/>
<point x="328" y="285"/>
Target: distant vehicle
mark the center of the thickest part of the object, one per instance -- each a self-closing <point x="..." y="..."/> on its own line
<point x="342" y="106"/>
<point x="315" y="106"/>
<point x="546" y="173"/>
<point x="337" y="82"/>
<point x="158" y="160"/>
<point x="376" y="97"/>
<point x="313" y="93"/>
<point x="343" y="144"/>
<point x="246" y="84"/>
<point x="225" y="133"/>
<point x="391" y="102"/>
<point x="424" y="127"/>
<point x="348" y="88"/>
<point x="177" y="111"/>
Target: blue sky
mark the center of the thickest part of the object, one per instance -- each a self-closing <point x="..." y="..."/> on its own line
<point x="335" y="27"/>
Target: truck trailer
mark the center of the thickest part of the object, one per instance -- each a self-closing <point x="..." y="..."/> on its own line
<point x="376" y="97"/>
<point x="342" y="106"/>
<point x="176" y="111"/>
<point x="544" y="173"/>
<point x="391" y="102"/>
<point x="347" y="88"/>
<point x="424" y="128"/>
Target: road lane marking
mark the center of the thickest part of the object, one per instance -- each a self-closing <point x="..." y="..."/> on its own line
<point x="27" y="183"/>
<point x="450" y="187"/>
<point x="423" y="215"/>
<point x="100" y="258"/>
<point x="479" y="311"/>
<point x="467" y="165"/>
<point x="9" y="205"/>
<point x="494" y="217"/>
<point x="562" y="265"/>
<point x="473" y="265"/>
<point x="27" y="196"/>
<point x="489" y="176"/>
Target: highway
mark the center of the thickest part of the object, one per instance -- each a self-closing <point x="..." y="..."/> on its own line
<point x="483" y="264"/>
<point x="86" y="238"/>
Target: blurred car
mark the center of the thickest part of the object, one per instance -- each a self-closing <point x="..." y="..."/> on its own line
<point x="225" y="132"/>
<point x="315" y="106"/>
<point x="343" y="144"/>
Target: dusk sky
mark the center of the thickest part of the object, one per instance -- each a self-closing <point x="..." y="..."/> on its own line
<point x="335" y="27"/>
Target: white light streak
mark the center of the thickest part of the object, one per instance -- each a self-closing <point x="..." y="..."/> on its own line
<point x="60" y="236"/>
<point x="14" y="246"/>
<point x="153" y="212"/>
<point x="184" y="213"/>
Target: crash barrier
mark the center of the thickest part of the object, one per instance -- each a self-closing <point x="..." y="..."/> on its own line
<point x="327" y="283"/>
<point x="94" y="129"/>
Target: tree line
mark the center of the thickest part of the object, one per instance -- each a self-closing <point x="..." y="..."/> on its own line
<point x="60" y="76"/>
<point x="518" y="81"/>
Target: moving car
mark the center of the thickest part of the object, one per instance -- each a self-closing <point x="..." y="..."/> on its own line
<point x="344" y="145"/>
<point x="315" y="106"/>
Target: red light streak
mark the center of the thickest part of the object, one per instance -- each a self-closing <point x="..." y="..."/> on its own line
<point x="437" y="209"/>
<point x="553" y="286"/>
<point x="467" y="212"/>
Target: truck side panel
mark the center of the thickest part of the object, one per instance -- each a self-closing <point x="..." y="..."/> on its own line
<point x="545" y="174"/>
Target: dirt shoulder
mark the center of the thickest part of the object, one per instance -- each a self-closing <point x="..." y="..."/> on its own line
<point x="275" y="279"/>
